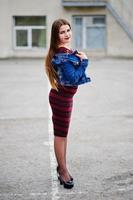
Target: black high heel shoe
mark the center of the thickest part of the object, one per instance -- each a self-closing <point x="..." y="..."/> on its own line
<point x="57" y="169"/>
<point x="67" y="185"/>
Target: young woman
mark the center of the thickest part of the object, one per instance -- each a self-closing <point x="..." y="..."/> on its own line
<point x="66" y="70"/>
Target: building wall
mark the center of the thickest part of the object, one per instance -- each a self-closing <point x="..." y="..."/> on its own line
<point x="124" y="9"/>
<point x="118" y="42"/>
<point x="5" y="29"/>
<point x="8" y="9"/>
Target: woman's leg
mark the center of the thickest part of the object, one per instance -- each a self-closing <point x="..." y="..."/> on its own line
<point x="65" y="153"/>
<point x="60" y="144"/>
<point x="65" y="150"/>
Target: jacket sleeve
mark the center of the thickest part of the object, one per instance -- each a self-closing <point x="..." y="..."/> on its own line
<point x="74" y="74"/>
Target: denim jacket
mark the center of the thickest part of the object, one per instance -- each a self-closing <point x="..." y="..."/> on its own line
<point x="70" y="69"/>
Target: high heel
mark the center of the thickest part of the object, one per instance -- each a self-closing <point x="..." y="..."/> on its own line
<point x="57" y="169"/>
<point x="67" y="184"/>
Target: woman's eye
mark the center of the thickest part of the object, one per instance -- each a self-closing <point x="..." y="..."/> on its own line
<point x="62" y="32"/>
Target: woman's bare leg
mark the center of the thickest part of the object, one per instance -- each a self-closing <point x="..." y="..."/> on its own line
<point x="60" y="144"/>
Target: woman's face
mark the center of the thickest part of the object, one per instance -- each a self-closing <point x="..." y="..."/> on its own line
<point x="65" y="34"/>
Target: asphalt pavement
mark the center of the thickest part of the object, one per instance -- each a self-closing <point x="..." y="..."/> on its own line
<point x="100" y="141"/>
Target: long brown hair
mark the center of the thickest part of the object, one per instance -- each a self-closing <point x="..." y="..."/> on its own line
<point x="54" y="42"/>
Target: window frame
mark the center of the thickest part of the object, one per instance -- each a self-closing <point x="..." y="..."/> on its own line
<point x="85" y="25"/>
<point x="29" y="29"/>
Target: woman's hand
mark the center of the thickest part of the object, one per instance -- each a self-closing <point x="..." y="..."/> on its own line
<point x="81" y="55"/>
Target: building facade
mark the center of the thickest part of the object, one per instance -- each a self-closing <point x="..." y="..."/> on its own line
<point x="100" y="27"/>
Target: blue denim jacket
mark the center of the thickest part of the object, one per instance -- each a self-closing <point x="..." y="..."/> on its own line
<point x="70" y="69"/>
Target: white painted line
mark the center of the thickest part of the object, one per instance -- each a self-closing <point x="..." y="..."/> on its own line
<point x="21" y="194"/>
<point x="55" y="192"/>
<point x="41" y="194"/>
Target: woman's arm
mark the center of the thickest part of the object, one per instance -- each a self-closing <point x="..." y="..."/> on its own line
<point x="71" y="72"/>
<point x="74" y="74"/>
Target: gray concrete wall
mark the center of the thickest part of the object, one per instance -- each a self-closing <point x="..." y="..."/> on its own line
<point x="118" y="42"/>
<point x="124" y="9"/>
<point x="18" y="8"/>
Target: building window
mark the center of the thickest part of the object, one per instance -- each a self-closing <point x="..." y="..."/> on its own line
<point x="29" y="32"/>
<point x="89" y="32"/>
